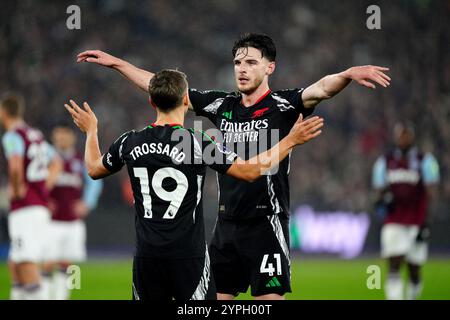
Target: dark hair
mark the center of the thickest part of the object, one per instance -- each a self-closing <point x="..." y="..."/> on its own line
<point x="261" y="42"/>
<point x="167" y="89"/>
<point x="13" y="104"/>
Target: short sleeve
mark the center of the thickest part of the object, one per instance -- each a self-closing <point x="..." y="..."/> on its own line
<point x="51" y="152"/>
<point x="91" y="191"/>
<point x="13" y="144"/>
<point x="379" y="174"/>
<point x="212" y="154"/>
<point x="290" y="102"/>
<point x="113" y="159"/>
<point x="206" y="103"/>
<point x="430" y="169"/>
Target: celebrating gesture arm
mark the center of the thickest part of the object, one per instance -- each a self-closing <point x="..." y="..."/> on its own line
<point x="330" y="85"/>
<point x="138" y="77"/>
<point x="86" y="121"/>
<point x="302" y="132"/>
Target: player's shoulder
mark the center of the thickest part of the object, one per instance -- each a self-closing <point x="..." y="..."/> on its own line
<point x="292" y="89"/>
<point x="285" y="95"/>
<point x="125" y="136"/>
<point x="10" y="135"/>
<point x="218" y="93"/>
<point x="13" y="137"/>
<point x="380" y="162"/>
<point x="286" y="99"/>
<point x="128" y="134"/>
<point x="27" y="132"/>
<point x="33" y="134"/>
<point x="28" y="128"/>
<point x="223" y="101"/>
<point x="200" y="134"/>
<point x="424" y="155"/>
<point x="429" y="157"/>
<point x="230" y="100"/>
<point x="234" y="95"/>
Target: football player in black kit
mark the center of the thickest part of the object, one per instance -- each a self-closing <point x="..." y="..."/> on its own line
<point x="250" y="245"/>
<point x="167" y="165"/>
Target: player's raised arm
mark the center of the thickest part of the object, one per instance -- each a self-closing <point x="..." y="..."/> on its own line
<point x="330" y="85"/>
<point x="87" y="122"/>
<point x="138" y="77"/>
<point x="301" y="132"/>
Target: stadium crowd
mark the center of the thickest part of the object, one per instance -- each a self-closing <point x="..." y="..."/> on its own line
<point x="37" y="58"/>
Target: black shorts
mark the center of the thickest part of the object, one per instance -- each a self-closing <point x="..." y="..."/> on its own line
<point x="167" y="279"/>
<point x="251" y="252"/>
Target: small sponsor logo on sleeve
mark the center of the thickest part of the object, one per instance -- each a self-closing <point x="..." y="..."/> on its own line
<point x="108" y="159"/>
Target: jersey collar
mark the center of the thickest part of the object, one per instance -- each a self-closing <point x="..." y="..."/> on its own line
<point x="173" y="125"/>
<point x="412" y="152"/>
<point x="259" y="99"/>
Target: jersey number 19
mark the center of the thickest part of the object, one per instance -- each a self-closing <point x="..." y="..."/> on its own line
<point x="174" y="197"/>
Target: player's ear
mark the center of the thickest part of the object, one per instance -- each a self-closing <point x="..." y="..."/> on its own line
<point x="271" y="68"/>
<point x="186" y="101"/>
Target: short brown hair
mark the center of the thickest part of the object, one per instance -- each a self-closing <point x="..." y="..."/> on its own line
<point x="167" y="89"/>
<point x="261" y="42"/>
<point x="13" y="104"/>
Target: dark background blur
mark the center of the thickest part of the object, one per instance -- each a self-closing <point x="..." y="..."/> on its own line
<point x="313" y="38"/>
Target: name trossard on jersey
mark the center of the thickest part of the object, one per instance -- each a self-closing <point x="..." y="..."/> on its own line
<point x="167" y="166"/>
<point x="249" y="131"/>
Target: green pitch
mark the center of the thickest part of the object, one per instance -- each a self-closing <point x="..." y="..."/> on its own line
<point x="311" y="279"/>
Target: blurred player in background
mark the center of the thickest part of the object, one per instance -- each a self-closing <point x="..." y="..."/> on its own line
<point x="167" y="166"/>
<point x="257" y="254"/>
<point x="75" y="194"/>
<point x="406" y="180"/>
<point x="33" y="167"/>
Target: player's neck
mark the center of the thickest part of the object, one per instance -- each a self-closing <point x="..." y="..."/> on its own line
<point x="10" y="124"/>
<point x="174" y="117"/>
<point x="254" y="97"/>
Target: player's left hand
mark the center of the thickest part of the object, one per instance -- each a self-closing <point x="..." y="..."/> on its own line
<point x="81" y="209"/>
<point x="305" y="130"/>
<point x="365" y="75"/>
<point x="84" y="119"/>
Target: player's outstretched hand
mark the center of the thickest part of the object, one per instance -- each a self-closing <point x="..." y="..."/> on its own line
<point x="85" y="119"/>
<point x="98" y="57"/>
<point x="366" y="75"/>
<point x="81" y="209"/>
<point x="305" y="130"/>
